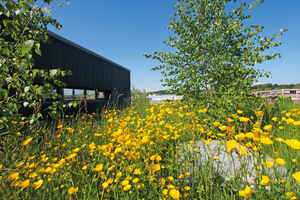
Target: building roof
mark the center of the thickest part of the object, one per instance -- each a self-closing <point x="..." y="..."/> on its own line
<point x="83" y="49"/>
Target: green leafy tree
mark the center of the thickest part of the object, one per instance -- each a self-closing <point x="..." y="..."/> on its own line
<point x="215" y="53"/>
<point x="23" y="27"/>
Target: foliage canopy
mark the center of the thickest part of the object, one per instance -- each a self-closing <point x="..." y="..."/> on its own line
<point x="23" y="27"/>
<point x="215" y="53"/>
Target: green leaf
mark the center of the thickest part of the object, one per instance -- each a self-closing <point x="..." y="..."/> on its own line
<point x="23" y="66"/>
<point x="26" y="89"/>
<point x="25" y="104"/>
<point x="53" y="72"/>
<point x="26" y="47"/>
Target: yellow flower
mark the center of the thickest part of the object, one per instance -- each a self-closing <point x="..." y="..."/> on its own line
<point x="98" y="168"/>
<point x="266" y="141"/>
<point x="223" y="128"/>
<point x="187" y="188"/>
<point x="19" y="134"/>
<point x="48" y="169"/>
<point x="259" y="113"/>
<point x="60" y="126"/>
<point x="240" y="137"/>
<point x="246" y="193"/>
<point x="75" y="150"/>
<point x="265" y="180"/>
<point x="16" y="183"/>
<point x="268" y="164"/>
<point x="290" y="121"/>
<point x="170" y="178"/>
<point x="231" y="144"/>
<point x="274" y="119"/>
<point x="158" y="158"/>
<point x="175" y="194"/>
<point x="162" y="181"/>
<point x="110" y="180"/>
<point x="71" y="190"/>
<point x="135" y="180"/>
<point x="268" y="127"/>
<point x="250" y="135"/>
<point x="32" y="175"/>
<point x="165" y="191"/>
<point x="84" y="167"/>
<point x="244" y="119"/>
<point x="294" y="160"/>
<point x="239" y="111"/>
<point x="296" y="123"/>
<point x="105" y="185"/>
<point x="13" y="122"/>
<point x="92" y="146"/>
<point x="156" y="167"/>
<point x="127" y="187"/>
<point x="27" y="141"/>
<point x="20" y="164"/>
<point x="37" y="184"/>
<point x="1" y="167"/>
<point x="13" y="176"/>
<point x="279" y="140"/>
<point x="216" y="124"/>
<point x="119" y="174"/>
<point x="145" y="139"/>
<point x="230" y="120"/>
<point x="187" y="173"/>
<point x="280" y="161"/>
<point x="125" y="182"/>
<point x="181" y="176"/>
<point x="297" y="176"/>
<point x="235" y="116"/>
<point x="293" y="143"/>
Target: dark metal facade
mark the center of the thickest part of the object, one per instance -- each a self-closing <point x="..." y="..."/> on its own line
<point x="90" y="70"/>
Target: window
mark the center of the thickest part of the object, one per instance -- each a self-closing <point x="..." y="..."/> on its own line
<point x="79" y="94"/>
<point x="101" y="95"/>
<point x="90" y="95"/>
<point x="293" y="92"/>
<point x="68" y="94"/>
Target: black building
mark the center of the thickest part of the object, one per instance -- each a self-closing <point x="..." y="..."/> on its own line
<point x="94" y="78"/>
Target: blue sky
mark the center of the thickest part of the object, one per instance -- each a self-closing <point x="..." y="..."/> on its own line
<point x="122" y="31"/>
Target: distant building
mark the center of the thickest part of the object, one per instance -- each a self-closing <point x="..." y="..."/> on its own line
<point x="294" y="93"/>
<point x="160" y="98"/>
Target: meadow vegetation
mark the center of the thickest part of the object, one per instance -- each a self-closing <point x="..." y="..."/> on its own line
<point x="138" y="153"/>
<point x="150" y="151"/>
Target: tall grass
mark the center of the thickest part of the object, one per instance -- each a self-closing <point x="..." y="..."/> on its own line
<point x="156" y="151"/>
